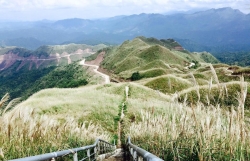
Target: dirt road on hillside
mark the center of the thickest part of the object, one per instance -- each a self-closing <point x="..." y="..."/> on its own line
<point x="95" y="64"/>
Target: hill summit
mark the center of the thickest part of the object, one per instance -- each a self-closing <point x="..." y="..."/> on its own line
<point x="151" y="56"/>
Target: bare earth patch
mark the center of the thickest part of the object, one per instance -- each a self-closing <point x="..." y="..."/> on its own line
<point x="95" y="63"/>
<point x="98" y="60"/>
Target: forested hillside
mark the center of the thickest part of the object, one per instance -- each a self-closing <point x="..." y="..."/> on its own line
<point x="24" y="83"/>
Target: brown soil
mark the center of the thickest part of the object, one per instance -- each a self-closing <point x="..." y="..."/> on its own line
<point x="9" y="58"/>
<point x="97" y="61"/>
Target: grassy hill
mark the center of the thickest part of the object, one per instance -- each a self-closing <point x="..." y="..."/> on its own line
<point x="69" y="48"/>
<point x="143" y="54"/>
<point x="47" y="50"/>
<point x="91" y="109"/>
<point x="155" y="121"/>
<point x="3" y="50"/>
<point x="175" y="112"/>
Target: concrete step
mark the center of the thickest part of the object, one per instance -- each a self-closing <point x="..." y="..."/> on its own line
<point x="116" y="156"/>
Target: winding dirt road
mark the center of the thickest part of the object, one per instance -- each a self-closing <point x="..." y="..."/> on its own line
<point x="106" y="77"/>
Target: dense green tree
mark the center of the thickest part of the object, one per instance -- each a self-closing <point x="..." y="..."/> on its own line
<point x="135" y="76"/>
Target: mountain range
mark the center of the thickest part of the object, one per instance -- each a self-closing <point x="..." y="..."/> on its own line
<point x="176" y="104"/>
<point x="223" y="29"/>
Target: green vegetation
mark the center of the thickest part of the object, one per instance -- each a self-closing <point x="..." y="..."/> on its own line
<point x="135" y="76"/>
<point x="46" y="51"/>
<point x="142" y="54"/>
<point x="3" y="50"/>
<point x="172" y="110"/>
<point x="22" y="52"/>
<point x="44" y="126"/>
<point x="71" y="48"/>
<point x="153" y="73"/>
<point x="234" y="58"/>
<point x="168" y="84"/>
<point x="196" y="64"/>
<point x="175" y="130"/>
<point x="168" y="43"/>
<point x="22" y="81"/>
<point x="241" y="71"/>
<point x="192" y="133"/>
<point x="42" y="134"/>
<point x="225" y="95"/>
<point x="199" y="128"/>
<point x="147" y="74"/>
<point x="209" y="58"/>
<point x="68" y="76"/>
<point x="93" y="56"/>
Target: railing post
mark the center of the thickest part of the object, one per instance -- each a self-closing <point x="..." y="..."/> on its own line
<point x="88" y="154"/>
<point x="110" y="147"/>
<point x="101" y="147"/>
<point x="98" y="148"/>
<point x="140" y="158"/>
<point x="135" y="156"/>
<point x="95" y="151"/>
<point x="131" y="151"/>
<point x="106" y="148"/>
<point x="75" y="156"/>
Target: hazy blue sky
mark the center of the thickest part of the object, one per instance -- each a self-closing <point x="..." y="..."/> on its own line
<point x="60" y="9"/>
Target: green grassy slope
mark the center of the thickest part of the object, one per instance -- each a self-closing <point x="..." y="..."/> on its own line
<point x="97" y="104"/>
<point x="3" y="50"/>
<point x="45" y="51"/>
<point x="153" y="120"/>
<point x="71" y="48"/>
<point x="176" y="113"/>
<point x="142" y="54"/>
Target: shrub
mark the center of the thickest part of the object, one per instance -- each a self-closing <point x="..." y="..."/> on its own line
<point x="135" y="76"/>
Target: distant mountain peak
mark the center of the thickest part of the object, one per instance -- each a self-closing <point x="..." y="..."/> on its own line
<point x="226" y="10"/>
<point x="213" y="27"/>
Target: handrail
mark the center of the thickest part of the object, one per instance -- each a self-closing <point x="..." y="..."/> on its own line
<point x="100" y="147"/>
<point x="139" y="154"/>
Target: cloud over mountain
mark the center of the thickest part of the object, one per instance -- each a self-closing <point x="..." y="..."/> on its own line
<point x="59" y="9"/>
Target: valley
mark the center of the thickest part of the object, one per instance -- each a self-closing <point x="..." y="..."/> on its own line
<point x="45" y="56"/>
<point x="180" y="104"/>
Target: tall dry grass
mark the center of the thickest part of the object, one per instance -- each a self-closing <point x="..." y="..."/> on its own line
<point x="24" y="133"/>
<point x="200" y="132"/>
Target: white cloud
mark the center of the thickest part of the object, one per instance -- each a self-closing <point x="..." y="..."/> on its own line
<point x="45" y="4"/>
<point x="107" y="8"/>
<point x="84" y="3"/>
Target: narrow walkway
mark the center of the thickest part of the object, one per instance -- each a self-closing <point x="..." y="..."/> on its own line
<point x="106" y="77"/>
<point x="117" y="156"/>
